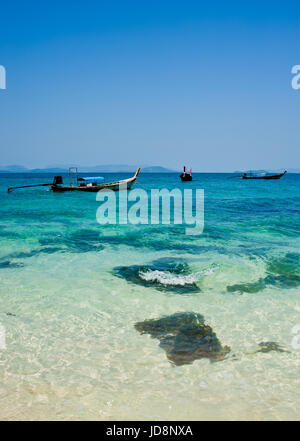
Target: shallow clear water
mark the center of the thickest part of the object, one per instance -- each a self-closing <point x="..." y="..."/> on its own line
<point x="72" y="291"/>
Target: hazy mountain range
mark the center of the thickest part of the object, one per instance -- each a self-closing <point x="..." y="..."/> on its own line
<point x="91" y="169"/>
<point x="122" y="168"/>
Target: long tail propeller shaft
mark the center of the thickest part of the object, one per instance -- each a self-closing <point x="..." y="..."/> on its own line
<point x="26" y="186"/>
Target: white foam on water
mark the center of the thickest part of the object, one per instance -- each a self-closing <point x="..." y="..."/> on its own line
<point x="168" y="278"/>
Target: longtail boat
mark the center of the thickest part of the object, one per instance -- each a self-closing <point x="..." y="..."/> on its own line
<point x="84" y="184"/>
<point x="264" y="176"/>
<point x="186" y="176"/>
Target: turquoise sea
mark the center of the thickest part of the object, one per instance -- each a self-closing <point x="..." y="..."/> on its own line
<point x="126" y="322"/>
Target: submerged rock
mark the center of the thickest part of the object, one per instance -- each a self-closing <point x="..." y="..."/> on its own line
<point x="32" y="253"/>
<point x="9" y="234"/>
<point x="5" y="264"/>
<point x="163" y="274"/>
<point x="9" y="264"/>
<point x="267" y="346"/>
<point x="80" y="241"/>
<point x="281" y="272"/>
<point x="27" y="254"/>
<point x="185" y="337"/>
<point x="83" y="241"/>
<point x="284" y="272"/>
<point x="253" y="287"/>
<point x="168" y="239"/>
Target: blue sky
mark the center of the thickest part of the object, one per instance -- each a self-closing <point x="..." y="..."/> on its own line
<point x="207" y="84"/>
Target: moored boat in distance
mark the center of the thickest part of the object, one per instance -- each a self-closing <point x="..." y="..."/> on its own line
<point x="186" y="176"/>
<point x="263" y="176"/>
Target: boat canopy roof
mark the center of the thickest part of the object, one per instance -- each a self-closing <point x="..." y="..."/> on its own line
<point x="262" y="172"/>
<point x="92" y="178"/>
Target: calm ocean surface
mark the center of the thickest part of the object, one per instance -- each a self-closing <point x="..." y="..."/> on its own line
<point x="74" y="296"/>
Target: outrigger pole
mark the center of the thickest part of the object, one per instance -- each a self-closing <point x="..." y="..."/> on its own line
<point x="26" y="186"/>
<point x="56" y="180"/>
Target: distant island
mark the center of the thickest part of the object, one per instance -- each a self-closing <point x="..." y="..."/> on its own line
<point x="85" y="169"/>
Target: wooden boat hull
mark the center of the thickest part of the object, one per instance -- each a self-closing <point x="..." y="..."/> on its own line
<point x="186" y="177"/>
<point x="114" y="186"/>
<point x="92" y="189"/>
<point x="265" y="177"/>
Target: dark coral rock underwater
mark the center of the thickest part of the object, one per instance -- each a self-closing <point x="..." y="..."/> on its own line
<point x="136" y="274"/>
<point x="185" y="337"/>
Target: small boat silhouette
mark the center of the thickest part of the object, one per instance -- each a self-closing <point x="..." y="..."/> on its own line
<point x="186" y="176"/>
<point x="275" y="176"/>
